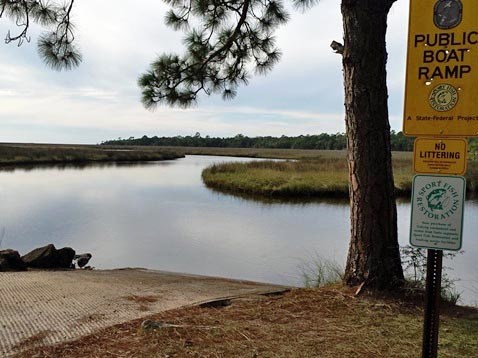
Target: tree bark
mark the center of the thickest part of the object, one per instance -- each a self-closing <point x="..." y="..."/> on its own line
<point x="373" y="257"/>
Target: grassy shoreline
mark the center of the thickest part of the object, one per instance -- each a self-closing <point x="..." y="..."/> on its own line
<point x="32" y="150"/>
<point x="35" y="154"/>
<point x="274" y="179"/>
<point x="263" y="152"/>
<point x="293" y="179"/>
<point x="325" y="175"/>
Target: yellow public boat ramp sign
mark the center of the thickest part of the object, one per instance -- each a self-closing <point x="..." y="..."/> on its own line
<point x="440" y="156"/>
<point x="441" y="94"/>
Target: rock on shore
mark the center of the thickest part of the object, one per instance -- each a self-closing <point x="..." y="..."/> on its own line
<point x="10" y="260"/>
<point x="48" y="257"/>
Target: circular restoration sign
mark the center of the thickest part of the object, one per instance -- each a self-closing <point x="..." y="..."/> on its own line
<point x="438" y="199"/>
<point x="443" y="97"/>
<point x="447" y="14"/>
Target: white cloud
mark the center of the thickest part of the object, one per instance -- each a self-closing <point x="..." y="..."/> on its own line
<point x="99" y="100"/>
<point x="8" y="93"/>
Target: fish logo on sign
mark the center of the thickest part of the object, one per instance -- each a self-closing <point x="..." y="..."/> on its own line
<point x="438" y="200"/>
<point x="447" y="14"/>
<point x="443" y="97"/>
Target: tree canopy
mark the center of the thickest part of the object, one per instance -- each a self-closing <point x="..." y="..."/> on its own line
<point x="232" y="39"/>
<point x="336" y="141"/>
<point x="56" y="45"/>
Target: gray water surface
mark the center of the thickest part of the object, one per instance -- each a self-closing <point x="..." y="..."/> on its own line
<point x="160" y="215"/>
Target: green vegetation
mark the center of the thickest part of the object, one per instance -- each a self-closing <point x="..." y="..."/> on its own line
<point x="318" y="272"/>
<point x="322" y="177"/>
<point x="321" y="141"/>
<point x="20" y="154"/>
<point x="320" y="174"/>
<point x="268" y="178"/>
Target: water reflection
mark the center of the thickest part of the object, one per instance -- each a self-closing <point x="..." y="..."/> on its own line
<point x="76" y="166"/>
<point x="160" y="215"/>
<point x="283" y="200"/>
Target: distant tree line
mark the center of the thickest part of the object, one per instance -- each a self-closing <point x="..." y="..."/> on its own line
<point x="319" y="141"/>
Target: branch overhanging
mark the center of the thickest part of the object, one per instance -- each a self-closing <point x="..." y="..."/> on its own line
<point x="56" y="46"/>
<point x="235" y="38"/>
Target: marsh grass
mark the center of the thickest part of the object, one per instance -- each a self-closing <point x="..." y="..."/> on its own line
<point x="262" y="152"/>
<point x="307" y="174"/>
<point x="325" y="177"/>
<point x="23" y="154"/>
<point x="310" y="178"/>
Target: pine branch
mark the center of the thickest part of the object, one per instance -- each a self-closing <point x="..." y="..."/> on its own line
<point x="56" y="46"/>
<point x="233" y="36"/>
<point x="220" y="53"/>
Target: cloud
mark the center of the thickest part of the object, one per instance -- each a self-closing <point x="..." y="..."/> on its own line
<point x="8" y="93"/>
<point x="100" y="99"/>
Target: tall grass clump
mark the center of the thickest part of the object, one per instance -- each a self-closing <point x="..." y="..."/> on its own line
<point x="304" y="178"/>
<point x="318" y="272"/>
<point x="322" y="177"/>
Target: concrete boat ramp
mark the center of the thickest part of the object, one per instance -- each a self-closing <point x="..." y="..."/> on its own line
<point x="47" y="307"/>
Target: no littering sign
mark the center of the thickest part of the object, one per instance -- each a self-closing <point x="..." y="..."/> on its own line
<point x="442" y="69"/>
<point x="440" y="156"/>
<point x="437" y="212"/>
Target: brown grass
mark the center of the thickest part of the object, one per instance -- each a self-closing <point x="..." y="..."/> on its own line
<point x="307" y="178"/>
<point x="24" y="154"/>
<point x="327" y="322"/>
<point x="262" y="152"/>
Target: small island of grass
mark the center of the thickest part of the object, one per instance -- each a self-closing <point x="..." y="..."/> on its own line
<point x="325" y="174"/>
<point x="323" y="177"/>
<point x="279" y="179"/>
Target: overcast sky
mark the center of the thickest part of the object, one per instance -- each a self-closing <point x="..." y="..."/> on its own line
<point x="118" y="39"/>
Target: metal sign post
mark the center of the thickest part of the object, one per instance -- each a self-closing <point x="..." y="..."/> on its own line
<point x="432" y="304"/>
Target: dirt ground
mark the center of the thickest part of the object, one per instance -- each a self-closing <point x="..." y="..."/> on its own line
<point x="46" y="307"/>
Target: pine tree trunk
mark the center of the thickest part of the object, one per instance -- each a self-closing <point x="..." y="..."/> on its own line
<point x="373" y="255"/>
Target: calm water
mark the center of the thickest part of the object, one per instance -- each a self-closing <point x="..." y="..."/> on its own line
<point x="161" y="216"/>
